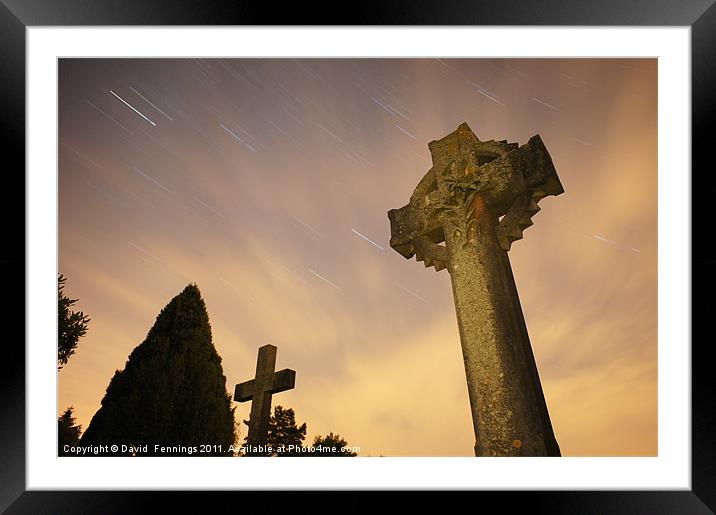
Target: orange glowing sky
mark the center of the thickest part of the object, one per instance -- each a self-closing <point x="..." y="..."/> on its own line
<point x="253" y="178"/>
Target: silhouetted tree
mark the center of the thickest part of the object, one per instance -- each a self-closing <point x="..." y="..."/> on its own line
<point x="71" y="325"/>
<point x="284" y="436"/>
<point x="330" y="445"/>
<point x="283" y="432"/>
<point x="68" y="433"/>
<point x="172" y="391"/>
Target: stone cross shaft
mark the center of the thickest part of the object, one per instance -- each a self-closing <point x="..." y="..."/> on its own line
<point x="464" y="214"/>
<point x="259" y="391"/>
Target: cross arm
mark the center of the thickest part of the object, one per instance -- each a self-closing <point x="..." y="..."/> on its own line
<point x="416" y="228"/>
<point x="413" y="221"/>
<point x="283" y="380"/>
<point x="509" y="178"/>
<point x="244" y="391"/>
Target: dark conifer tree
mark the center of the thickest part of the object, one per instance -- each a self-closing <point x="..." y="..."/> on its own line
<point x="284" y="435"/>
<point x="68" y="432"/>
<point x="172" y="391"/>
<point x="331" y="445"/>
<point x="286" y="438"/>
<point x="71" y="325"/>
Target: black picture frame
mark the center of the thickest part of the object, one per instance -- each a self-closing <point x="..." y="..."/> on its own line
<point x="17" y="15"/>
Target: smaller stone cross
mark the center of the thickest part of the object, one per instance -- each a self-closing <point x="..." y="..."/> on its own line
<point x="259" y="391"/>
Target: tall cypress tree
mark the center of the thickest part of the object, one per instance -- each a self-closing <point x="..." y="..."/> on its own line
<point x="172" y="391"/>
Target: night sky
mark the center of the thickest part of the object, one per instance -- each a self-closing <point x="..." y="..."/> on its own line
<point x="267" y="183"/>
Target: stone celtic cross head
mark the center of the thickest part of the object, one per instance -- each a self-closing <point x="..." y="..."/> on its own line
<point x="508" y="180"/>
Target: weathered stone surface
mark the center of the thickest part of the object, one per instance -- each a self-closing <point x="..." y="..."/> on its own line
<point x="478" y="198"/>
<point x="260" y="391"/>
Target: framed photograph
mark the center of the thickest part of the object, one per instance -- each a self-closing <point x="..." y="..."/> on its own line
<point x="226" y="204"/>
